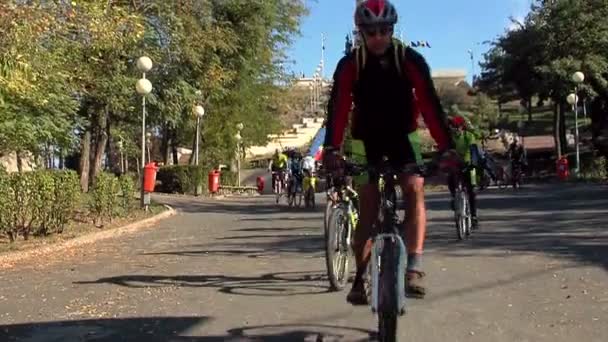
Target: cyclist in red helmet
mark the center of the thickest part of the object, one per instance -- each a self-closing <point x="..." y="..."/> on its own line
<point x="465" y="143"/>
<point x="388" y="93"/>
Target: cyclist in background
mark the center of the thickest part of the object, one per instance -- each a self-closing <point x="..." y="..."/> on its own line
<point x="465" y="143"/>
<point x="278" y="166"/>
<point x="295" y="170"/>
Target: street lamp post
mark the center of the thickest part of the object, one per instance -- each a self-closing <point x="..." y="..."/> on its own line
<point x="239" y="128"/>
<point x="148" y="143"/>
<point x="312" y="97"/>
<point x="315" y="91"/>
<point x="199" y="112"/>
<point x="120" y="146"/>
<point x="319" y="86"/>
<point x="472" y="66"/>
<point x="578" y="78"/>
<point x="143" y="88"/>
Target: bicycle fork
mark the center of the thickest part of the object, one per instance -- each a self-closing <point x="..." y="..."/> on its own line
<point x="388" y="283"/>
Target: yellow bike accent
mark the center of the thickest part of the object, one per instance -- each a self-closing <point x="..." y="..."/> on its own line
<point x="308" y="182"/>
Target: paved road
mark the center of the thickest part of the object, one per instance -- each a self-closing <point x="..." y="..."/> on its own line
<point x="243" y="270"/>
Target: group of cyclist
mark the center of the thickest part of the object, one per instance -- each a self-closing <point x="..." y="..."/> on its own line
<point x="390" y="86"/>
<point x="290" y="168"/>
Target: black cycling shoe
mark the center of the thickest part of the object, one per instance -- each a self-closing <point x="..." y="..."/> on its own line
<point x="357" y="296"/>
<point x="474" y="223"/>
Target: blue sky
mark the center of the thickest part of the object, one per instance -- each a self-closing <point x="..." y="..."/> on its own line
<point x="450" y="26"/>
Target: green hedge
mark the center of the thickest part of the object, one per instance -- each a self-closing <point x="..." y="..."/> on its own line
<point x="43" y="202"/>
<point x="38" y="203"/>
<point x="182" y="179"/>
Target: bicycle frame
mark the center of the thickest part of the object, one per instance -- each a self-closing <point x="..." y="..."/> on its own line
<point x="344" y="194"/>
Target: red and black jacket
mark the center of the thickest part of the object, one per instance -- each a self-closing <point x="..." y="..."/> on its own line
<point x="387" y="102"/>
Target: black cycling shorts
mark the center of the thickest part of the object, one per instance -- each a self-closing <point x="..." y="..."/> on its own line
<point x="398" y="151"/>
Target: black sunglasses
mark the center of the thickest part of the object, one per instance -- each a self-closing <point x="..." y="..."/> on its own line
<point x="373" y="31"/>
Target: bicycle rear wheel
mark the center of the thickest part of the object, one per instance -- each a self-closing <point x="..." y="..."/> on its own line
<point x="460" y="217"/>
<point x="277" y="190"/>
<point x="337" y="250"/>
<point x="310" y="198"/>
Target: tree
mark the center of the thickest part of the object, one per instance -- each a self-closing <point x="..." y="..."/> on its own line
<point x="67" y="75"/>
<point x="556" y="39"/>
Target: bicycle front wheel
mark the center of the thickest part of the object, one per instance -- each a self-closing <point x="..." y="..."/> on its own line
<point x="328" y="209"/>
<point x="389" y="292"/>
<point x="337" y="250"/>
<point x="387" y="327"/>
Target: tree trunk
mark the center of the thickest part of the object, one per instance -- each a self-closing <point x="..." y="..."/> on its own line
<point x="174" y="149"/>
<point x="529" y="105"/>
<point x="193" y="146"/>
<point x="166" y="144"/>
<point x="562" y="127"/>
<point x="61" y="159"/>
<point x="19" y="161"/>
<point x="113" y="159"/>
<point x="101" y="140"/>
<point x="556" y="129"/>
<point x="85" y="157"/>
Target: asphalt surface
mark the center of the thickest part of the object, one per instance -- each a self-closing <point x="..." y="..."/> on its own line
<point x="248" y="270"/>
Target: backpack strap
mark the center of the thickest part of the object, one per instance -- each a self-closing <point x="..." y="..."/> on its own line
<point x="360" y="60"/>
<point x="399" y="55"/>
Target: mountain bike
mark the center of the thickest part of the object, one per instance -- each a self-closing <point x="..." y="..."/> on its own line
<point x="294" y="191"/>
<point x="341" y="219"/>
<point x="462" y="207"/>
<point x="388" y="258"/>
<point x="310" y="188"/>
<point x="279" y="184"/>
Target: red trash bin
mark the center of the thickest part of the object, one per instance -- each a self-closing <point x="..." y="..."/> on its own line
<point x="563" y="170"/>
<point x="150" y="177"/>
<point x="260" y="183"/>
<point x="214" y="181"/>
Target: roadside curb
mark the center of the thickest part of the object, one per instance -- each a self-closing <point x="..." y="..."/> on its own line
<point x="9" y="259"/>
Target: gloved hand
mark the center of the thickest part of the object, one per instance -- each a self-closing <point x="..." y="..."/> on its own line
<point x="333" y="162"/>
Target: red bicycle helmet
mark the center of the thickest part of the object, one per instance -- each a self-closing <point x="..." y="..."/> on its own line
<point x="375" y="12"/>
<point x="458" y="121"/>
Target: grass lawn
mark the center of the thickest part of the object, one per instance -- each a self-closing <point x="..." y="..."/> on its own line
<point x="542" y="121"/>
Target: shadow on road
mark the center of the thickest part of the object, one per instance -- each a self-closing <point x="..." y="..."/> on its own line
<point x="282" y="284"/>
<point x="104" y="330"/>
<point x="171" y="329"/>
<point x="259" y="245"/>
<point x="565" y="222"/>
<point x="246" y="206"/>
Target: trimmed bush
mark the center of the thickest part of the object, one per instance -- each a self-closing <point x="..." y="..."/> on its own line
<point x="5" y="203"/>
<point x="104" y="198"/>
<point x="127" y="189"/>
<point x="228" y="178"/>
<point x="67" y="196"/>
<point x="43" y="202"/>
<point x="180" y="179"/>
